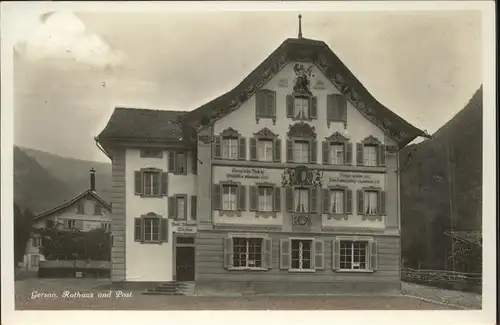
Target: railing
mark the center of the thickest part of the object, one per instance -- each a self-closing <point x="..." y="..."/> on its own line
<point x="444" y="279"/>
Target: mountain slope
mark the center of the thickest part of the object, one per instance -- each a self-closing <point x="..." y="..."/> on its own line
<point x="75" y="172"/>
<point x="34" y="187"/>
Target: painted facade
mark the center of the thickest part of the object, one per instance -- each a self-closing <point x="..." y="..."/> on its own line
<point x="293" y="184"/>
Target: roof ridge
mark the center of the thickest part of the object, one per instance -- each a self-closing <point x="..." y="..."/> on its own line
<point x="149" y="109"/>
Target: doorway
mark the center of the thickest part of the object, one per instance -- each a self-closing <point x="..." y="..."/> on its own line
<point x="184" y="259"/>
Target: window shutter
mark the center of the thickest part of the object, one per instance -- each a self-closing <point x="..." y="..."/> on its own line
<point x="325" y="205"/>
<point x="314" y="151"/>
<point x="277" y="199"/>
<point x="336" y="255"/>
<point x="164" y="183"/>
<point x="277" y="150"/>
<point x="359" y="154"/>
<point x="194" y="207"/>
<point x="348" y="201"/>
<point x="194" y="166"/>
<point x="253" y="198"/>
<point x="260" y="103"/>
<point x="382" y="202"/>
<point x="330" y="107"/>
<point x="217" y="147"/>
<point x="171" y="207"/>
<point x="361" y="203"/>
<point x="138" y="183"/>
<point x="171" y="162"/>
<point x="313" y="200"/>
<point x="137" y="229"/>
<point x="243" y="149"/>
<point x="289" y="106"/>
<point x="228" y="252"/>
<point x="270" y="103"/>
<point x="289" y="199"/>
<point x="216" y="197"/>
<point x="164" y="230"/>
<point x="241" y="197"/>
<point x="319" y="257"/>
<point x="326" y="151"/>
<point x="267" y="249"/>
<point x="253" y="149"/>
<point x="381" y="155"/>
<point x="373" y="255"/>
<point x="348" y="153"/>
<point x="289" y="150"/>
<point x="342" y="100"/>
<point x="314" y="107"/>
<point x="285" y="262"/>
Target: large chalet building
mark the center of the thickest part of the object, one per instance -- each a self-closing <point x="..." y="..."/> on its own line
<point x="287" y="183"/>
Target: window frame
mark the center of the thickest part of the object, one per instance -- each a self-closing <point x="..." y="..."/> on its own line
<point x="159" y="173"/>
<point x="265" y="134"/>
<point x="240" y="195"/>
<point x="106" y="225"/>
<point x="381" y="203"/>
<point x="162" y="238"/>
<point x="97" y="209"/>
<point x="236" y="194"/>
<point x="263" y="237"/>
<point x="173" y="162"/>
<point x="312" y="101"/>
<point x="151" y="153"/>
<point x="247" y="253"/>
<point x="309" y="194"/>
<point x="80" y="207"/>
<point x="177" y="198"/>
<point x="262" y="97"/>
<point x="301" y="132"/>
<point x="371" y="245"/>
<point x="380" y="151"/>
<point x="218" y="144"/>
<point x="312" y="253"/>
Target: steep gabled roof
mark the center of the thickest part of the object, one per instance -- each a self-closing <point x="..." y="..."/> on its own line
<point x="300" y="50"/>
<point x="144" y="124"/>
<point x="105" y="204"/>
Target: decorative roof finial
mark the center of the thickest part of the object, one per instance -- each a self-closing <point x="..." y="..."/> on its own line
<point x="300" y="26"/>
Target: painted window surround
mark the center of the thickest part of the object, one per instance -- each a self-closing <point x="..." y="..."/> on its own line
<point x="162" y="229"/>
<point x="371" y="141"/>
<point x="218" y="143"/>
<point x="276" y="199"/>
<point x="266" y="251"/>
<point x="312" y="107"/>
<point x="302" y="132"/>
<point x="347" y="201"/>
<point x="162" y="182"/>
<point x="381" y="196"/>
<point x="265" y="134"/>
<point x="265" y="102"/>
<point x="240" y="198"/>
<point x="372" y="251"/>
<point x="336" y="138"/>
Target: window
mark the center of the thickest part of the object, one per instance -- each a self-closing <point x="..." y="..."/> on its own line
<point x="177" y="162"/>
<point x="301" y="108"/>
<point x="301" y="254"/>
<point x="80" y="208"/>
<point x="180" y="207"/>
<point x="337" y="201"/>
<point x="151" y="153"/>
<point x="353" y="255"/>
<point x="70" y="224"/>
<point x="265" y="104"/>
<point x="301" y="152"/>
<point x="265" y="199"/>
<point x="35" y="259"/>
<point x="370" y="155"/>
<point x="106" y="226"/>
<point x="336" y="154"/>
<point x="247" y="252"/>
<point x="151" y="229"/>
<point x="97" y="209"/>
<point x="265" y="150"/>
<point x="36" y="241"/>
<point x="370" y="202"/>
<point x="229" y="198"/>
<point x="229" y="148"/>
<point x="151" y="181"/>
<point x="301" y="199"/>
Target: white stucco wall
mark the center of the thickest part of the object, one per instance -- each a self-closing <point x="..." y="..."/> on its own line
<point x="151" y="262"/>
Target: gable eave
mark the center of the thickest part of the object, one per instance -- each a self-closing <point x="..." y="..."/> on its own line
<point x="318" y="53"/>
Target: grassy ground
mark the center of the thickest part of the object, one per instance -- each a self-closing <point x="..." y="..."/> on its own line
<point x="85" y="294"/>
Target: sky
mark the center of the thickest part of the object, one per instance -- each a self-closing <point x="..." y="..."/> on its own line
<point x="72" y="68"/>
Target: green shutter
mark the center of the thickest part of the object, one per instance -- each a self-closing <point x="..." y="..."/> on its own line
<point x="359" y="154"/>
<point x="137" y="229"/>
<point x="241" y="197"/>
<point x="336" y="255"/>
<point x="361" y="205"/>
<point x="285" y="261"/>
<point x="313" y="199"/>
<point x="330" y="107"/>
<point x="348" y="153"/>
<point x="277" y="150"/>
<point x="260" y="103"/>
<point x="277" y="199"/>
<point x="228" y="252"/>
<point x="319" y="257"/>
<point x="289" y="150"/>
<point x="267" y="250"/>
<point x="164" y="230"/>
<point x="326" y="152"/>
<point x="289" y="106"/>
<point x="254" y="196"/>
<point x="270" y="103"/>
<point x="171" y="207"/>
<point x="342" y="100"/>
<point x="253" y="149"/>
<point x="138" y="183"/>
<point x="373" y="255"/>
<point x="325" y="205"/>
<point x="194" y="207"/>
<point x="164" y="183"/>
<point x="242" y="148"/>
<point x="217" y="147"/>
<point x="381" y="155"/>
<point x="216" y="197"/>
<point x="289" y="199"/>
<point x="171" y="162"/>
<point x="314" y="152"/>
<point x="348" y="201"/>
<point x="382" y="202"/>
<point x="313" y="107"/>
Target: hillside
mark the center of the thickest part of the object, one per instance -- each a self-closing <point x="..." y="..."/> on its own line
<point x="34" y="187"/>
<point x="75" y="172"/>
<point x="441" y="182"/>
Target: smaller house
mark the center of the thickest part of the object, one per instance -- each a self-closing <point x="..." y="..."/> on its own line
<point x="84" y="212"/>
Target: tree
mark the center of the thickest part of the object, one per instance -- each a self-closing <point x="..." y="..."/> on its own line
<point x="23" y="223"/>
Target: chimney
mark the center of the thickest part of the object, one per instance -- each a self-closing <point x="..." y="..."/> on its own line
<point x="92" y="179"/>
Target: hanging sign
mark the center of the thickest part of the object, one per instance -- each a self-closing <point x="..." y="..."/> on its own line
<point x="181" y="227"/>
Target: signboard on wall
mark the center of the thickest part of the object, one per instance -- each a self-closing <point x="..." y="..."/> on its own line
<point x="359" y="178"/>
<point x="181" y="227"/>
<point x="248" y="173"/>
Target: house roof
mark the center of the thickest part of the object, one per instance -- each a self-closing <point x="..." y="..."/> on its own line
<point x="146" y="124"/>
<point x="73" y="200"/>
<point x="166" y="125"/>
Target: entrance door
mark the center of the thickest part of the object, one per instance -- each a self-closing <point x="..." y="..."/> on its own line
<point x="184" y="263"/>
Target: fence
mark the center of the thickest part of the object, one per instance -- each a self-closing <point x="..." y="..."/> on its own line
<point x="444" y="279"/>
<point x="74" y="268"/>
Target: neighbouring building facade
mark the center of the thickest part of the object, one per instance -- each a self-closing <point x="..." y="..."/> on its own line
<point x="84" y="212"/>
<point x="287" y="183"/>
